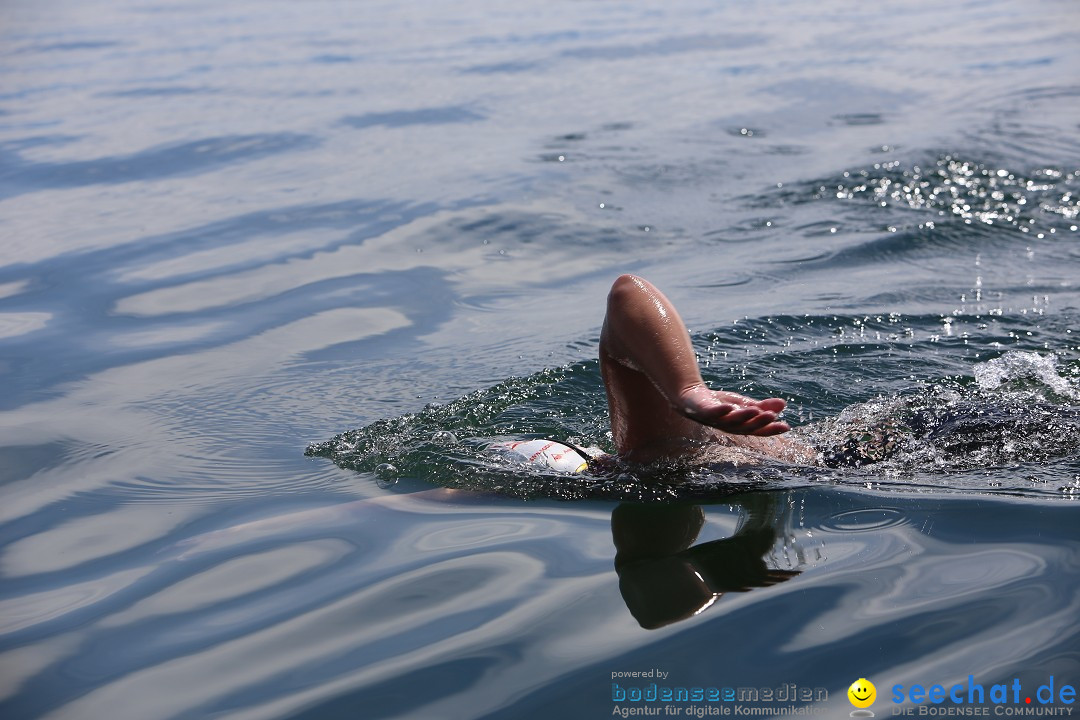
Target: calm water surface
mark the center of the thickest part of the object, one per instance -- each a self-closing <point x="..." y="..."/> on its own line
<point x="229" y="231"/>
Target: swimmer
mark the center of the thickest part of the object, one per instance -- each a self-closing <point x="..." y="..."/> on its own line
<point x="659" y="405"/>
<point x="661" y="410"/>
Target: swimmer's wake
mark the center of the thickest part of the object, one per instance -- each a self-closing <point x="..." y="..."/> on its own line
<point x="672" y="437"/>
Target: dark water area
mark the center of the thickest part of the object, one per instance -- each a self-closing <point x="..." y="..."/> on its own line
<point x="229" y="233"/>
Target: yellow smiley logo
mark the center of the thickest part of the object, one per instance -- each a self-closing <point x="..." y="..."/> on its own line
<point x="862" y="693"/>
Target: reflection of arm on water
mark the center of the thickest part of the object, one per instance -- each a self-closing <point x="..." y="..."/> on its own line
<point x="664" y="577"/>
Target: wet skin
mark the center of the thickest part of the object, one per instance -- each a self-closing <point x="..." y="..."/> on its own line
<point x="659" y="405"/>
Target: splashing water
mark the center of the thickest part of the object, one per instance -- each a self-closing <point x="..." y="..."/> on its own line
<point x="1017" y="410"/>
<point x="1015" y="368"/>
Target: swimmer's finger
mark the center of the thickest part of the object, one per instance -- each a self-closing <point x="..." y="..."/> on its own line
<point x="775" y="405"/>
<point x="737" y="418"/>
<point x="724" y="410"/>
<point x="775" y="428"/>
<point x="754" y="424"/>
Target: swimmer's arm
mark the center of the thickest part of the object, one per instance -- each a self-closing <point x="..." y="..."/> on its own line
<point x="643" y="332"/>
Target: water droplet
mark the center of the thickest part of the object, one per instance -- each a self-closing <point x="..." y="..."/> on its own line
<point x="386" y="475"/>
<point x="444" y="437"/>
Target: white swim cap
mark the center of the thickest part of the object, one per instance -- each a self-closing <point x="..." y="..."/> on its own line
<point x="546" y="453"/>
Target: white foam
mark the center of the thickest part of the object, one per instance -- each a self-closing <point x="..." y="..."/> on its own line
<point x="1020" y="365"/>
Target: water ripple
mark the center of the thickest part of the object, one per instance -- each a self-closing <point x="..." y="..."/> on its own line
<point x="865" y="520"/>
<point x="187" y="158"/>
<point x="423" y="116"/>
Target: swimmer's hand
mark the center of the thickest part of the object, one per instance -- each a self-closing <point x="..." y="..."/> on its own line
<point x="731" y="412"/>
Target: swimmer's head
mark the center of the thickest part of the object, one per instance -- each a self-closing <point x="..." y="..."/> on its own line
<point x="545" y="453"/>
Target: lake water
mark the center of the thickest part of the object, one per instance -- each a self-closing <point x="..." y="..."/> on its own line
<point x="228" y="231"/>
